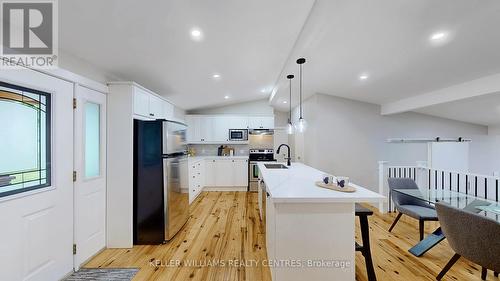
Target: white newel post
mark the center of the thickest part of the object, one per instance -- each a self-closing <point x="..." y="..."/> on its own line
<point x="382" y="186"/>
<point x="422" y="175"/>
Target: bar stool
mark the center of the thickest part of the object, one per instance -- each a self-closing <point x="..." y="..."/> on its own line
<point x="363" y="214"/>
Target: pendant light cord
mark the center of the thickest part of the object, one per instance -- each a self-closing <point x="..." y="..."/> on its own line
<point x="290" y="104"/>
<point x="300" y="90"/>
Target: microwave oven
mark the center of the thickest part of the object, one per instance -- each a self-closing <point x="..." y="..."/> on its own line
<point x="238" y="135"/>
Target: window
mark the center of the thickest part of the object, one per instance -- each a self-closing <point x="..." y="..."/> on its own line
<point x="24" y="139"/>
<point x="92" y="140"/>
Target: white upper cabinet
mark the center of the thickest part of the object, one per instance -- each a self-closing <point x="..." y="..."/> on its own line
<point x="261" y="122"/>
<point x="151" y="106"/>
<point x="156" y="107"/>
<point x="221" y="126"/>
<point x="215" y="128"/>
<point x="168" y="110"/>
<point x="141" y="102"/>
<point x="238" y="122"/>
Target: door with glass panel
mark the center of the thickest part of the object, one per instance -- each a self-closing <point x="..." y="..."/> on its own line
<point x="90" y="173"/>
<point x="36" y="165"/>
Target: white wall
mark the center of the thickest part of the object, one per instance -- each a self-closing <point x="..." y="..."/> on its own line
<point x="347" y="137"/>
<point x="484" y="155"/>
<point x="494" y="130"/>
<point x="259" y="107"/>
<point x="77" y="65"/>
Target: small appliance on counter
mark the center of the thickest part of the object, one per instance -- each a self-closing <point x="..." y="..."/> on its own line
<point x="225" y="150"/>
<point x="255" y="156"/>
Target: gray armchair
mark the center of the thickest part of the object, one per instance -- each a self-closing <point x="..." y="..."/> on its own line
<point x="410" y="206"/>
<point x="470" y="235"/>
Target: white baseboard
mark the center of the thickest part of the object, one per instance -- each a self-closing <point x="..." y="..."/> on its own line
<point x="225" y="188"/>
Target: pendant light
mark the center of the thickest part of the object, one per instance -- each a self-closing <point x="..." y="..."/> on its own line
<point x="289" y="127"/>
<point x="301" y="125"/>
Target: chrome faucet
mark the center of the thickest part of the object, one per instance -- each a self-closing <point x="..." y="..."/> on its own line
<point x="288" y="159"/>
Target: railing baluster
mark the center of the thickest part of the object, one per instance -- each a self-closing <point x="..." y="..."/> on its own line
<point x="450" y="180"/>
<point x="458" y="182"/>
<point x="442" y="180"/>
<point x="414" y="174"/>
<point x="485" y="188"/>
<point x="430" y="175"/>
<point x="475" y="186"/>
<point x="435" y="179"/>
<point x="466" y="186"/>
<point x="496" y="191"/>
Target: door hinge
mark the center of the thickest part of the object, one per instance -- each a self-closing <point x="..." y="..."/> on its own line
<point x="74" y="249"/>
<point x="74" y="176"/>
<point x="74" y="103"/>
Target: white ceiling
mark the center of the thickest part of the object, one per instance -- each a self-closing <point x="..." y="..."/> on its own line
<point x="254" y="45"/>
<point x="483" y="110"/>
<point x="389" y="40"/>
<point x="247" y="42"/>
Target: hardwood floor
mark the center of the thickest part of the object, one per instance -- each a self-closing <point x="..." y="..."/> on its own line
<point x="225" y="226"/>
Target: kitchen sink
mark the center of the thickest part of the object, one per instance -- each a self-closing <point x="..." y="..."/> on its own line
<point x="275" y="166"/>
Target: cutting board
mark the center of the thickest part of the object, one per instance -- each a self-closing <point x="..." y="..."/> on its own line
<point x="335" y="187"/>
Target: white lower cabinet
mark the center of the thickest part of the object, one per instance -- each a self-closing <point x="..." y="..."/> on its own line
<point x="196" y="179"/>
<point x="210" y="168"/>
<point x="224" y="172"/>
<point x="227" y="172"/>
<point x="270" y="221"/>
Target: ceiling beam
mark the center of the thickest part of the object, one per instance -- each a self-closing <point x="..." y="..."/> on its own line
<point x="475" y="88"/>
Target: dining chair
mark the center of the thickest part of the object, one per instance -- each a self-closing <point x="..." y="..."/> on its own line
<point x="410" y="206"/>
<point x="477" y="242"/>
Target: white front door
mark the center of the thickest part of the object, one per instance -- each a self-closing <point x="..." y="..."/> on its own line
<point x="90" y="168"/>
<point x="36" y="224"/>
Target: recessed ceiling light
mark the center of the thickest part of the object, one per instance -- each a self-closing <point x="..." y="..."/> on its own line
<point x="196" y="34"/>
<point x="439" y="38"/>
<point x="216" y="76"/>
<point x="285" y="101"/>
<point x="263" y="90"/>
<point x="226" y="97"/>
<point x="363" y="77"/>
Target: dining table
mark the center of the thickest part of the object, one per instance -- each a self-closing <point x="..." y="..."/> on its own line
<point x="469" y="202"/>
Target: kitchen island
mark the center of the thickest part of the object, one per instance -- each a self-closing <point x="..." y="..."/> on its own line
<point x="309" y="229"/>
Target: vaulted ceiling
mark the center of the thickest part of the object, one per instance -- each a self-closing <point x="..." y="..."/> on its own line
<point x="245" y="42"/>
<point x="253" y="45"/>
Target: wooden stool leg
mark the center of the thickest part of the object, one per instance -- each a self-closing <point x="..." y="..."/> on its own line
<point x="365" y="236"/>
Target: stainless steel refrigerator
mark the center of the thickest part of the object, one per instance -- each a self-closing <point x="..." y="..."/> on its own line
<point x="161" y="188"/>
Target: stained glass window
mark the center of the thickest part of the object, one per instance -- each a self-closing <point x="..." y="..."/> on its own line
<point x="24" y="139"/>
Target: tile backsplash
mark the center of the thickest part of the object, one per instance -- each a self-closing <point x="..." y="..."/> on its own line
<point x="211" y="149"/>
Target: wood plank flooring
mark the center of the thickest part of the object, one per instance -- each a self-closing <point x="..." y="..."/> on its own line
<point x="225" y="227"/>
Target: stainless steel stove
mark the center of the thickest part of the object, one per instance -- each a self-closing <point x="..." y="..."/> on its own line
<point x="255" y="156"/>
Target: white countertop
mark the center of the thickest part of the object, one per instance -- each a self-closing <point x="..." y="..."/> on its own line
<point x="297" y="185"/>
<point x="194" y="159"/>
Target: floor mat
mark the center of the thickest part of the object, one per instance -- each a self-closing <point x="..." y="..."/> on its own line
<point x="103" y="274"/>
